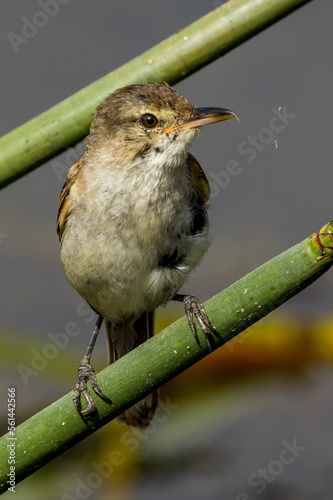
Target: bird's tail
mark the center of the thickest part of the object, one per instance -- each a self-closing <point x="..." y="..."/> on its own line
<point x="122" y="338"/>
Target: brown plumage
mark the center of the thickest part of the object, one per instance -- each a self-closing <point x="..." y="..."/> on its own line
<point x="132" y="221"/>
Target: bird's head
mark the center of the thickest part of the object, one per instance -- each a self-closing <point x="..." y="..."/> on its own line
<point x="150" y="121"/>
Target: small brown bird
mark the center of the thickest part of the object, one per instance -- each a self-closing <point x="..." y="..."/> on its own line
<point x="133" y="222"/>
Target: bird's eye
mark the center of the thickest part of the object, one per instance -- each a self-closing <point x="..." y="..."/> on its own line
<point x="148" y="121"/>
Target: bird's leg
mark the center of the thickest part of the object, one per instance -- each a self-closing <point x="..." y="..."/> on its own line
<point x="194" y="308"/>
<point x="87" y="373"/>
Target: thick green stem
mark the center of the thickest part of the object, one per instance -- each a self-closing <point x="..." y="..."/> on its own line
<point x="58" y="427"/>
<point x="180" y="55"/>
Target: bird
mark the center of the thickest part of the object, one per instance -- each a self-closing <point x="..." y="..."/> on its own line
<point x="133" y="223"/>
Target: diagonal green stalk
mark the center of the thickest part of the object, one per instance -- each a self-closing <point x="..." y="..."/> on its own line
<point x="58" y="427"/>
<point x="183" y="53"/>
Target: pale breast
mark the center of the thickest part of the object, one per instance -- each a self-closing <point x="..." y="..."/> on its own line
<point x="133" y="239"/>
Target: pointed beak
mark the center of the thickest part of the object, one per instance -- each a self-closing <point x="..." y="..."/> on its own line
<point x="203" y="116"/>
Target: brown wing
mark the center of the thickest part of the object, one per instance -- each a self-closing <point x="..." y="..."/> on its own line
<point x="64" y="207"/>
<point x="198" y="178"/>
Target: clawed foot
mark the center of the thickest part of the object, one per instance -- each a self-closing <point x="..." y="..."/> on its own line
<point x="86" y="373"/>
<point x="194" y="308"/>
